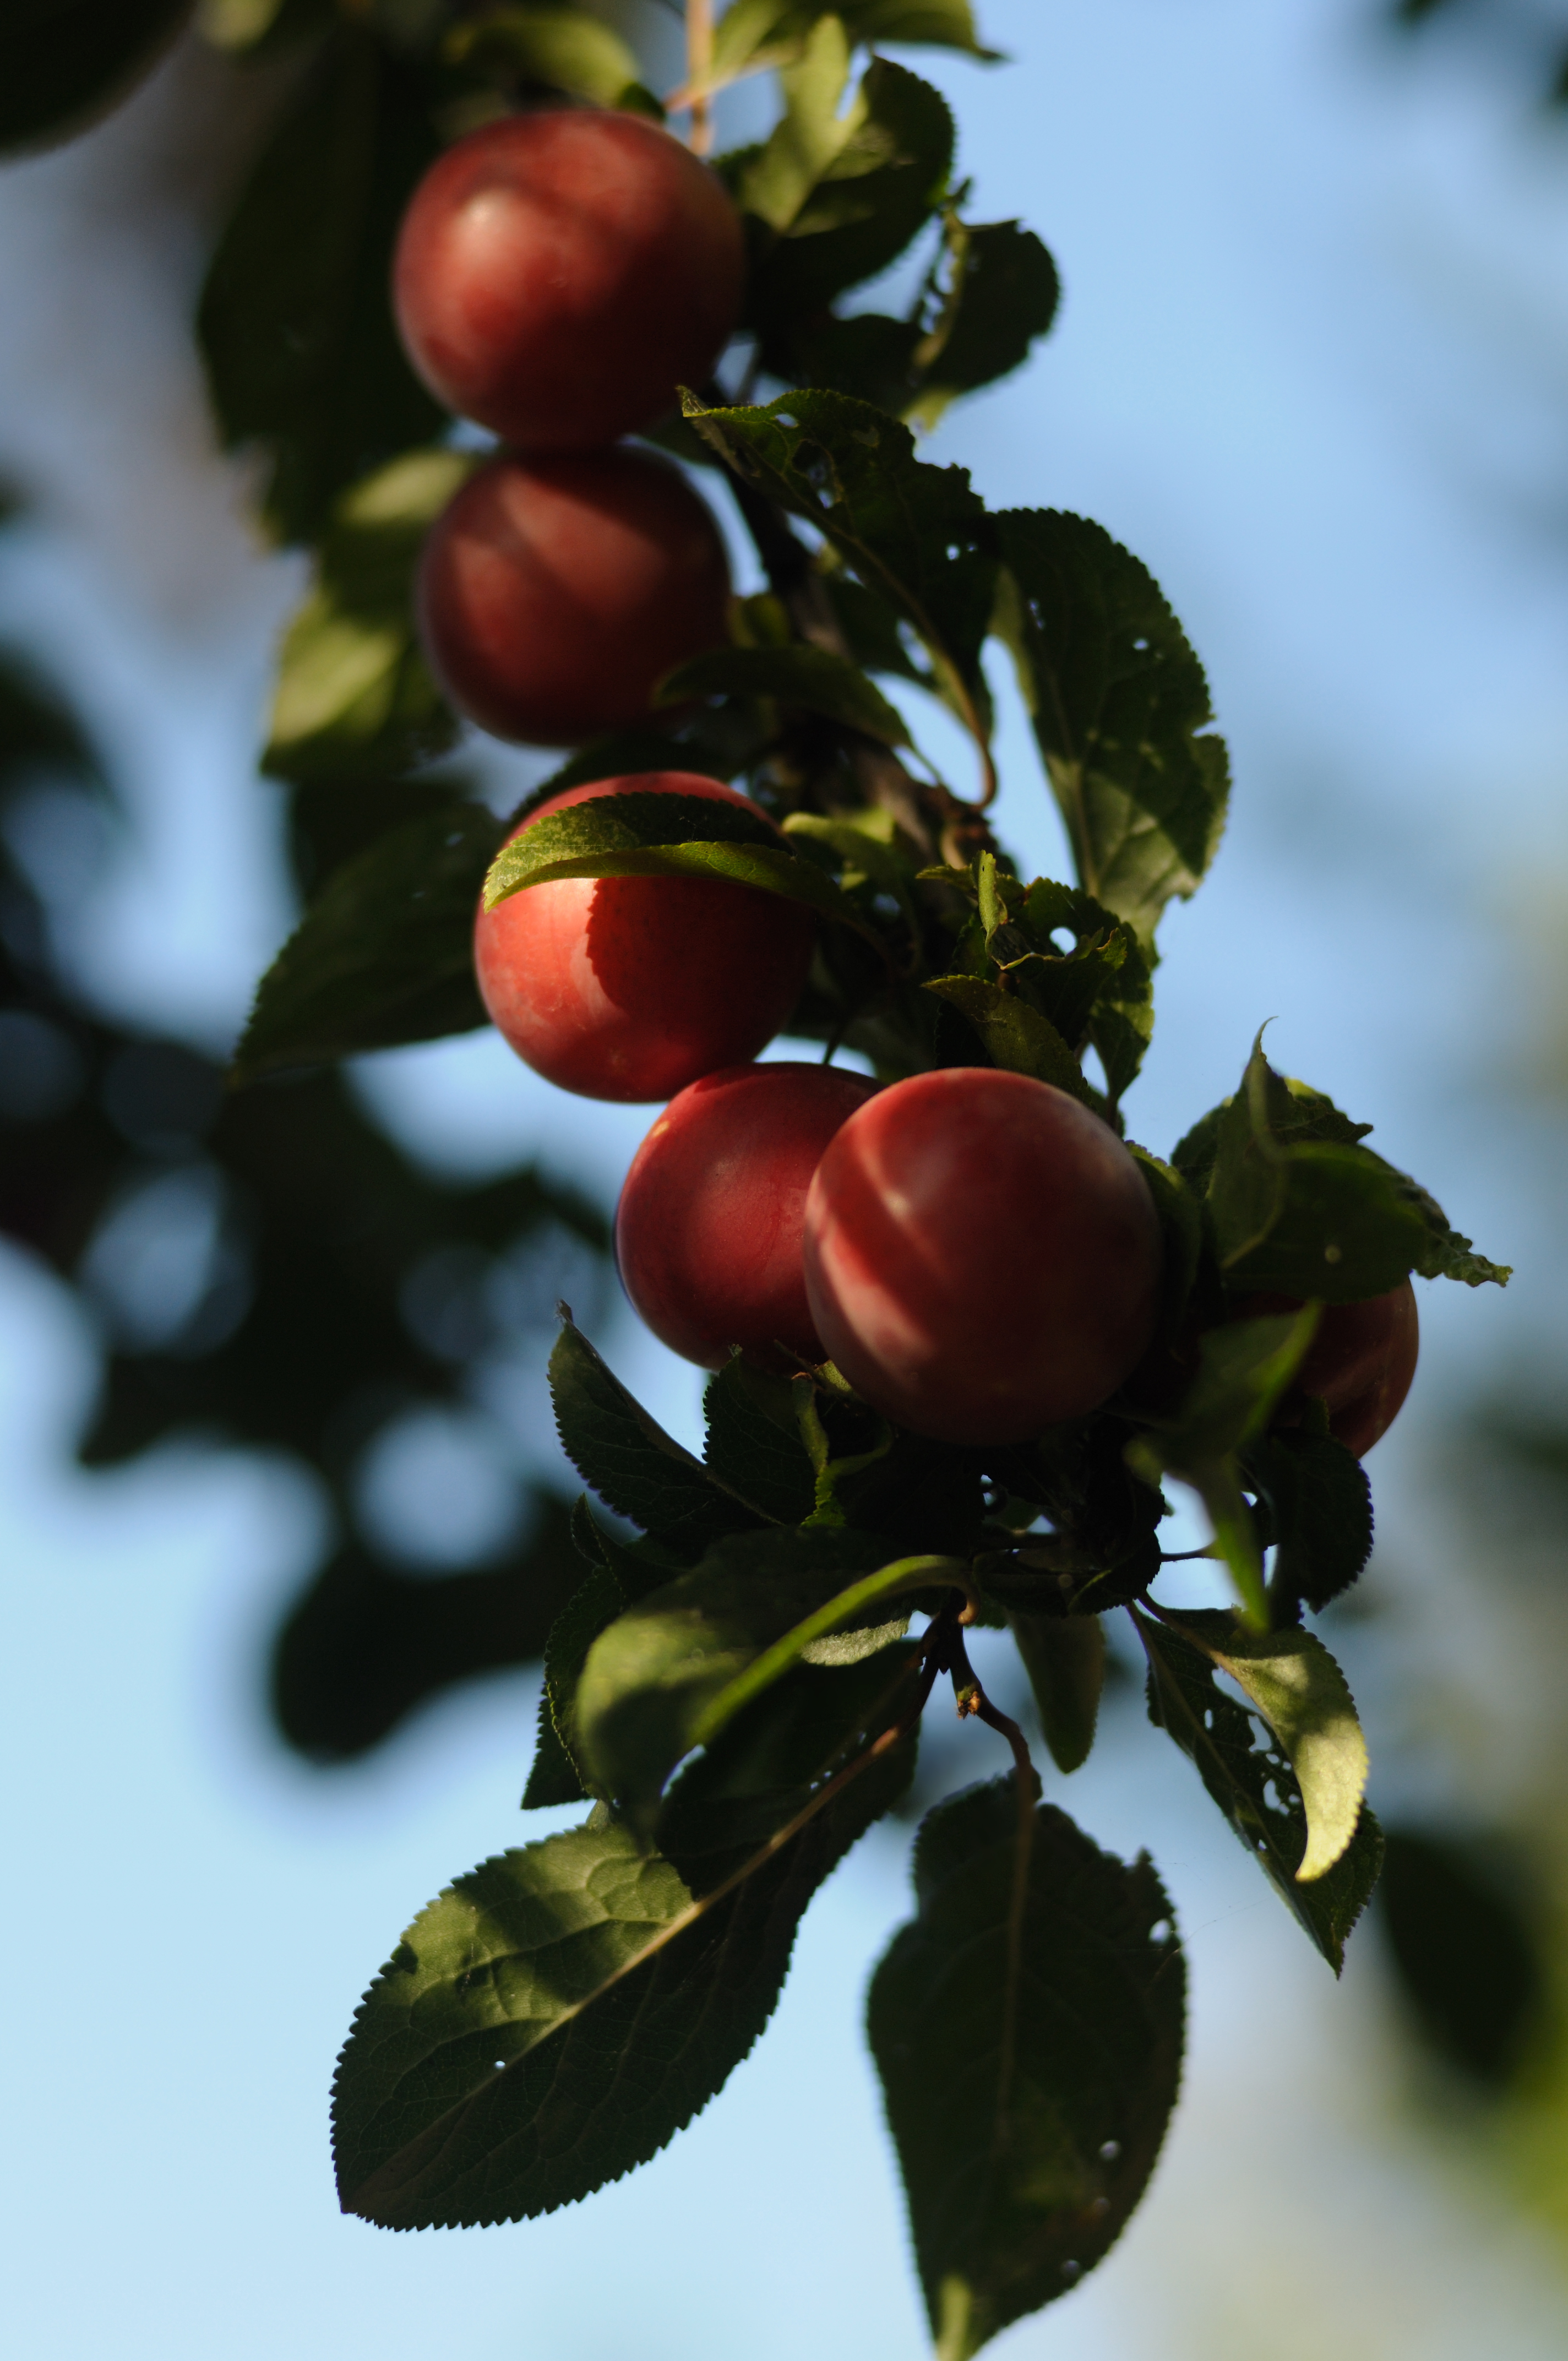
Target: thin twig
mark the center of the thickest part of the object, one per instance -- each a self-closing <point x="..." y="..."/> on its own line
<point x="699" y="71"/>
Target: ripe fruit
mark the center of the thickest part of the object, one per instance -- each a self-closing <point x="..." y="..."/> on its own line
<point x="631" y="987"/>
<point x="553" y="594"/>
<point x="708" y="1230"/>
<point x="1360" y="1363"/>
<point x="558" y="274"/>
<point x="982" y="1255"/>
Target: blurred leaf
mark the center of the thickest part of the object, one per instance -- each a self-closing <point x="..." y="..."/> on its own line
<point x="260" y="29"/>
<point x="384" y="955"/>
<point x="843" y="194"/>
<point x="754" y="33"/>
<point x="554" y="2018"/>
<point x="634" y="1466"/>
<point x="1465" y="1951"/>
<point x="64" y="62"/>
<point x="365" y="1645"/>
<point x="918" y="536"/>
<point x="354" y="693"/>
<point x="1064" y="1656"/>
<point x="551" y="48"/>
<point x="754" y="1441"/>
<point x="1030" y="2060"/>
<point x="635" y="835"/>
<point x="295" y="318"/>
<point x="811" y="678"/>
<point x="673" y="1670"/>
<point x="1121" y="709"/>
<point x="1004" y="295"/>
<point x="1256" y="1789"/>
<point x="1322" y="1508"/>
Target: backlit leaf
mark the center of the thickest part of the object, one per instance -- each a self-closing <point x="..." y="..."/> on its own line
<point x="554" y="2018"/>
<point x="672" y="1672"/>
<point x="1030" y="2061"/>
<point x="1121" y="709"/>
<point x="540" y="46"/>
<point x="1252" y="1783"/>
<point x="1294" y="1682"/>
<point x="634" y="1466"/>
<point x="1300" y="1207"/>
<point x="916" y="535"/>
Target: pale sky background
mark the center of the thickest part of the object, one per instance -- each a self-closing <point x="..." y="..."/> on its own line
<point x="1312" y="367"/>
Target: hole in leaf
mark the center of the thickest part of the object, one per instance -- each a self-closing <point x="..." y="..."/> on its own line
<point x="1109" y="2151"/>
<point x="1161" y="1931"/>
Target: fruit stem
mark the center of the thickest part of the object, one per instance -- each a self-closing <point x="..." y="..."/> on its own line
<point x="699" y="68"/>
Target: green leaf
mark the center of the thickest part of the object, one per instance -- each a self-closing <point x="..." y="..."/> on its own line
<point x="1105" y="1549"/>
<point x="555" y="1775"/>
<point x="1121" y="709"/>
<point x="752" y="34"/>
<point x="1321" y="1509"/>
<point x="1016" y="1035"/>
<point x="813" y="679"/>
<point x="260" y="28"/>
<point x="1181" y="1229"/>
<point x="1292" y="1681"/>
<point x="1064" y="1656"/>
<point x="1474" y="1969"/>
<point x="384" y="954"/>
<point x="1242" y="1370"/>
<point x="295" y="318"/>
<point x="672" y="1672"/>
<point x="1254" y="1787"/>
<point x="634" y="1466"/>
<point x="354" y="692"/>
<point x="636" y="835"/>
<point x="916" y="535"/>
<point x="844" y="194"/>
<point x="551" y="48"/>
<point x="554" y="2018"/>
<point x="1302" y="1208"/>
<point x="755" y="1443"/>
<point x="1030" y="2058"/>
<point x="1001" y="297"/>
<point x="63" y="62"/>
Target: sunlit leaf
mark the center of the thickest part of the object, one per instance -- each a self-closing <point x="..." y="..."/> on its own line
<point x="1252" y="1783"/>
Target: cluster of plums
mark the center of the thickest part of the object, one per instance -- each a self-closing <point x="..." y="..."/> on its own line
<point x="557" y="276"/>
<point x="976" y="1252"/>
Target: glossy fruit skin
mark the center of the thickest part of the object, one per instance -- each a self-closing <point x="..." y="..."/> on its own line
<point x="558" y="274"/>
<point x="554" y="594"/>
<point x="631" y="988"/>
<point x="707" y="1232"/>
<point x="983" y="1256"/>
<point x="1360" y="1364"/>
